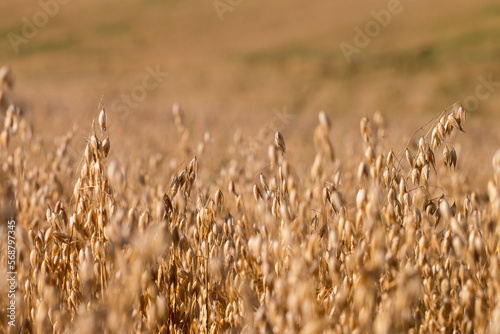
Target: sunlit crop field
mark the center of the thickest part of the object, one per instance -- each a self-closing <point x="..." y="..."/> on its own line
<point x="373" y="239"/>
<point x="232" y="166"/>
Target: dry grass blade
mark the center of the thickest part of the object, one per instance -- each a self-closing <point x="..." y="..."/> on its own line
<point x="279" y="142"/>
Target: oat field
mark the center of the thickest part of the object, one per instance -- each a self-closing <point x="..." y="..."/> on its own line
<point x="383" y="240"/>
<point x="232" y="166"/>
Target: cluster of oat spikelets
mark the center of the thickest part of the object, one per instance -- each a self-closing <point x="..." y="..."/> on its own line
<point x="377" y="248"/>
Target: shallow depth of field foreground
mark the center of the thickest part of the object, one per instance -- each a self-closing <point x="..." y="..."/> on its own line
<point x="386" y="241"/>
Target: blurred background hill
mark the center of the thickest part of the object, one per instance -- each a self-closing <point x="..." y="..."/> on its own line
<point x="231" y="63"/>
